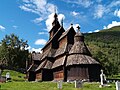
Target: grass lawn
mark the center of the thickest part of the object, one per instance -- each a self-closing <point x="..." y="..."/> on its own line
<point x="50" y="86"/>
<point x="18" y="83"/>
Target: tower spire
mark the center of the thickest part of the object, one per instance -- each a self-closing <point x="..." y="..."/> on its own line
<point x="78" y="29"/>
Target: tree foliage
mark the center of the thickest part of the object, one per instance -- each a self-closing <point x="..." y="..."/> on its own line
<point x="105" y="46"/>
<point x="12" y="52"/>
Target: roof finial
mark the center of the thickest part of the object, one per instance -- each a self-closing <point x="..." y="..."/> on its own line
<point x="71" y="25"/>
<point x="62" y="22"/>
<point x="55" y="9"/>
<point x="78" y="29"/>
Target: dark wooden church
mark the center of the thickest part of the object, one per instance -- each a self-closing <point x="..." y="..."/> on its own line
<point x="65" y="57"/>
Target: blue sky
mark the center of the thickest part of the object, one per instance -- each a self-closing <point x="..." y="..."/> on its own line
<point x="32" y="19"/>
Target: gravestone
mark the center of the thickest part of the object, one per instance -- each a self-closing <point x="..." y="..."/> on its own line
<point x="102" y="79"/>
<point x="8" y="76"/>
<point x="78" y="84"/>
<point x="117" y="85"/>
<point x="59" y="84"/>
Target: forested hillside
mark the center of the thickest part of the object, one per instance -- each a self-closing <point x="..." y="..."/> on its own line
<point x="105" y="47"/>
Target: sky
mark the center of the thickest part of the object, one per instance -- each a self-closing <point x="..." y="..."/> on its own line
<point x="32" y="19"/>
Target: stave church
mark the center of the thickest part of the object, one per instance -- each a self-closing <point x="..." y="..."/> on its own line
<point x="64" y="57"/>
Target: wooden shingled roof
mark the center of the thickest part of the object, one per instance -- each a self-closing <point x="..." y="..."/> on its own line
<point x="62" y="50"/>
<point x="79" y="53"/>
<point x="59" y="62"/>
<point x="32" y="67"/>
<point x="36" y="56"/>
<point x="42" y="64"/>
<point x="76" y="59"/>
<point x="79" y="47"/>
<point x="65" y="33"/>
<point x="48" y="64"/>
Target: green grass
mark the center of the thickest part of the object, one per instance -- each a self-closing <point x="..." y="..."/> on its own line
<point x="15" y="76"/>
<point x="18" y="83"/>
<point x="50" y="86"/>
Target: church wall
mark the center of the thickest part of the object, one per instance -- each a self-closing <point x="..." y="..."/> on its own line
<point x="76" y="72"/>
<point x="62" y="42"/>
<point x="58" y="73"/>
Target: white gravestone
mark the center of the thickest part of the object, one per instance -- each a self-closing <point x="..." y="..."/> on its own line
<point x="78" y="84"/>
<point x="102" y="79"/>
<point x="59" y="84"/>
<point x="7" y="76"/>
<point x="117" y="85"/>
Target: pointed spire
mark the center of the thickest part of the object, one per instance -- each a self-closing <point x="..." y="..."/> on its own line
<point x="79" y="36"/>
<point x="55" y="20"/>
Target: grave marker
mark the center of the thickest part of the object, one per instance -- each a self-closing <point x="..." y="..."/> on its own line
<point x="117" y="85"/>
<point x="60" y="85"/>
<point x="78" y="84"/>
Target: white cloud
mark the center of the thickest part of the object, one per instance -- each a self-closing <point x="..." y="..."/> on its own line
<point x="114" y="23"/>
<point x="97" y="30"/>
<point x="75" y="26"/>
<point x="84" y="3"/>
<point x="74" y="13"/>
<point x="33" y="49"/>
<point x="40" y="7"/>
<point x="15" y="27"/>
<point x="49" y="21"/>
<point x="44" y="9"/>
<point x="115" y="3"/>
<point x="61" y="17"/>
<point x="40" y="42"/>
<point x="99" y="11"/>
<point x="2" y="28"/>
<point x="38" y="20"/>
<point x="117" y="13"/>
<point x="40" y="33"/>
<point x="51" y="18"/>
<point x="90" y="32"/>
<point x="36" y="50"/>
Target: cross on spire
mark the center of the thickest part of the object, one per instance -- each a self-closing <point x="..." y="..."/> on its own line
<point x="78" y="29"/>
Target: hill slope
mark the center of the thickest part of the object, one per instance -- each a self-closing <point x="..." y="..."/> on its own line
<point x="105" y="46"/>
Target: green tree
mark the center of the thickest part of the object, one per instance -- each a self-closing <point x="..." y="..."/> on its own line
<point x="12" y="52"/>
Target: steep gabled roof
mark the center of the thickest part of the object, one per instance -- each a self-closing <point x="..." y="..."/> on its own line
<point x="45" y="54"/>
<point x="49" y="41"/>
<point x="65" y="33"/>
